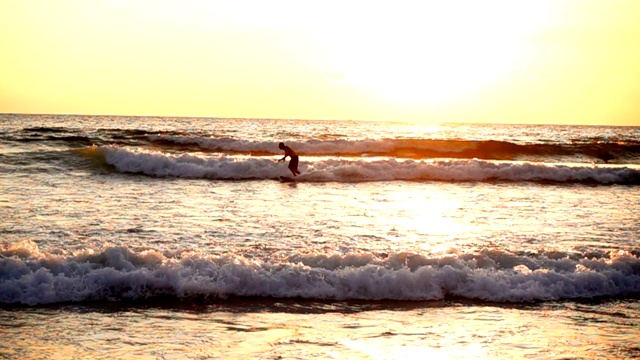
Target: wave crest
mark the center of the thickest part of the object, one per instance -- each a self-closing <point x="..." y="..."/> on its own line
<point x="415" y="148"/>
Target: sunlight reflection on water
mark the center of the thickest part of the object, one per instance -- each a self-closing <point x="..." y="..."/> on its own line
<point x="329" y="217"/>
<point x="303" y="330"/>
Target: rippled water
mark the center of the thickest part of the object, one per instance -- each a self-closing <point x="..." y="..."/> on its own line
<point x="244" y="216"/>
<point x="336" y="330"/>
<point x="100" y="261"/>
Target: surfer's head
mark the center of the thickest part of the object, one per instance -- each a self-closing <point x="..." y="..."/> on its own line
<point x="281" y="145"/>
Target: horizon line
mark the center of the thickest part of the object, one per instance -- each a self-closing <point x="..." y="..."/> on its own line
<point x="434" y="122"/>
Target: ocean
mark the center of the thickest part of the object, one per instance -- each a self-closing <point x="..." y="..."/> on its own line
<point x="173" y="238"/>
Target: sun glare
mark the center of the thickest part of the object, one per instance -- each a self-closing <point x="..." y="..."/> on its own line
<point x="422" y="56"/>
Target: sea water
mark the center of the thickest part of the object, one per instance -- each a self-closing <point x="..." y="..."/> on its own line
<point x="150" y="237"/>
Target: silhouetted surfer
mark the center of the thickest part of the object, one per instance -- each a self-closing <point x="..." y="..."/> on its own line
<point x="293" y="164"/>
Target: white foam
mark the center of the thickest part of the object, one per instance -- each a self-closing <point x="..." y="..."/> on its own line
<point x="36" y="277"/>
<point x="343" y="170"/>
<point x="189" y="166"/>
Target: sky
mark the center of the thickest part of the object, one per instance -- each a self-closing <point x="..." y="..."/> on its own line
<point x="495" y="61"/>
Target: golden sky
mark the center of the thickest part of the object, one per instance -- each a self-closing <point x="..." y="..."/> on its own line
<point x="512" y="61"/>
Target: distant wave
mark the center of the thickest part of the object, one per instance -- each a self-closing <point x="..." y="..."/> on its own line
<point x="623" y="150"/>
<point x="415" y="148"/>
<point x="342" y="170"/>
<point x="31" y="276"/>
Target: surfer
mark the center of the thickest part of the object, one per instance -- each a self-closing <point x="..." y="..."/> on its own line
<point x="293" y="163"/>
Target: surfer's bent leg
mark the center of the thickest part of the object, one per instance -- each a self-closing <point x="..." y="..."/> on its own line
<point x="293" y="165"/>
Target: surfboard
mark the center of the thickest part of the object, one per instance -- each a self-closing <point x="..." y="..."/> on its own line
<point x="286" y="179"/>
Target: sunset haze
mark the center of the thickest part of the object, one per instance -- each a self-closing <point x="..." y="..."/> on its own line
<point x="564" y="61"/>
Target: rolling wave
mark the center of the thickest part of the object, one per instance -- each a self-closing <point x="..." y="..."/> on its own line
<point x="613" y="152"/>
<point x="612" y="149"/>
<point x="358" y="170"/>
<point x="31" y="276"/>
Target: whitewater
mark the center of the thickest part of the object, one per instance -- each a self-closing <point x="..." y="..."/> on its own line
<point x="397" y="240"/>
<point x="347" y="170"/>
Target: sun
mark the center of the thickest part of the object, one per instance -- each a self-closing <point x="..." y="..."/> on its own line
<point x="427" y="71"/>
<point x="436" y="52"/>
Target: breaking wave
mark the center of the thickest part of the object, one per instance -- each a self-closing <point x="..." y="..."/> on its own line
<point x="31" y="276"/>
<point x="359" y="170"/>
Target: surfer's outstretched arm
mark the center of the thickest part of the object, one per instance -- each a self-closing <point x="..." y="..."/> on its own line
<point x="287" y="151"/>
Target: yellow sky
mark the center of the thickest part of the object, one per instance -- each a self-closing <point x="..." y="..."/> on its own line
<point x="513" y="61"/>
